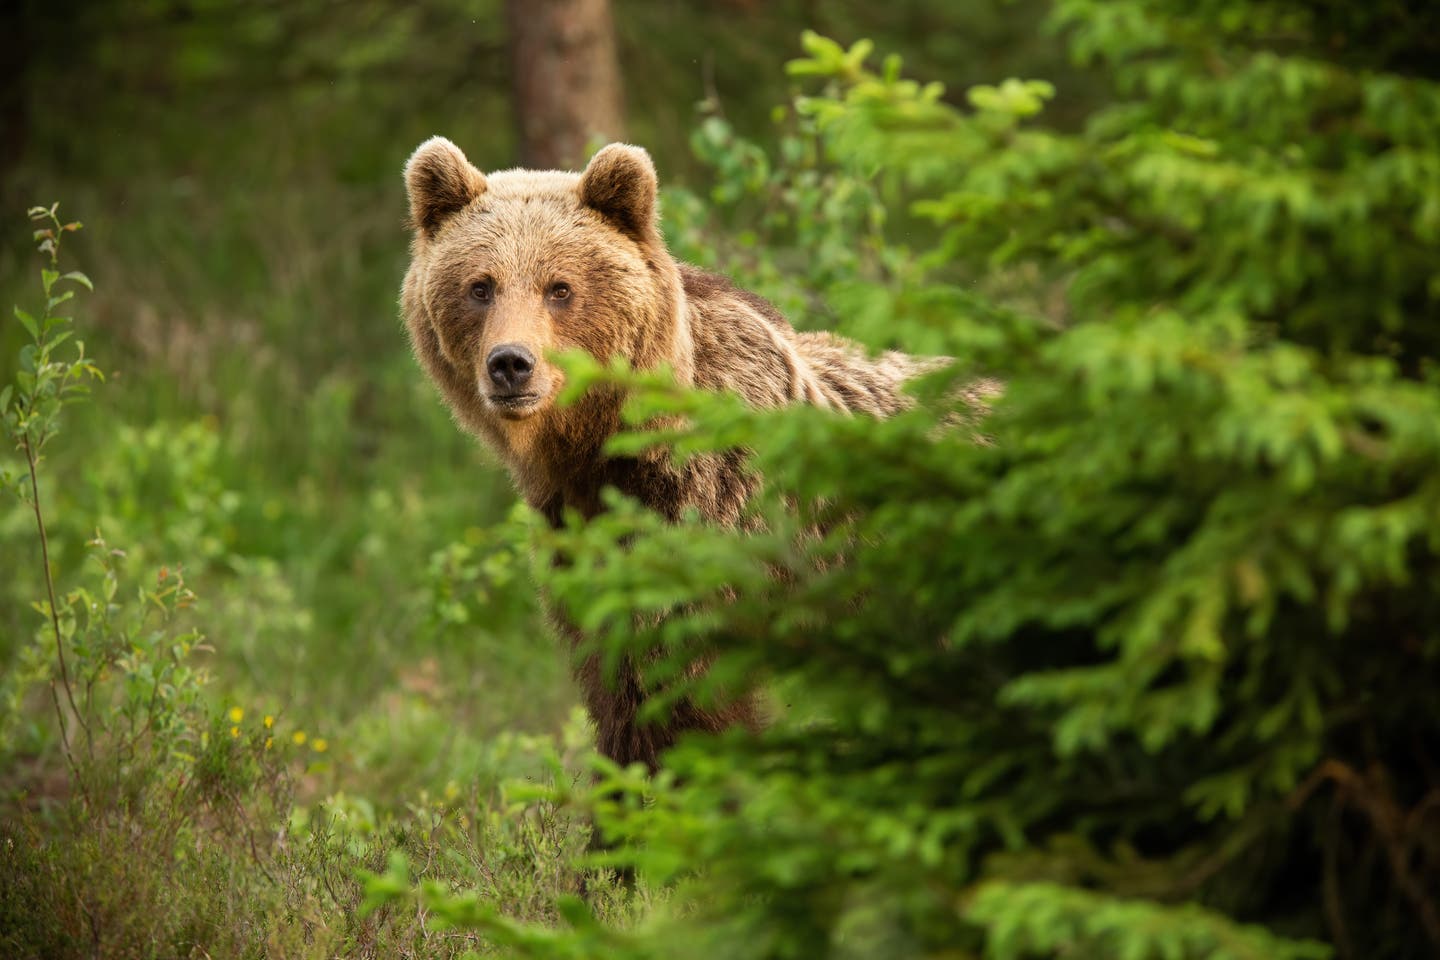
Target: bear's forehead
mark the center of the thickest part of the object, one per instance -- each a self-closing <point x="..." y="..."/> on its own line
<point x="534" y="183"/>
<point x="507" y="226"/>
<point x="532" y="222"/>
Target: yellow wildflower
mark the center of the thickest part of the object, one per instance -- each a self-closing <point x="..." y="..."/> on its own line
<point x="236" y="714"/>
<point x="319" y="745"/>
<point x="298" y="736"/>
<point x="234" y="731"/>
<point x="269" y="721"/>
<point x="268" y="742"/>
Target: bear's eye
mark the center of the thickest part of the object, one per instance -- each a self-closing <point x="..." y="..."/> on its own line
<point x="560" y="291"/>
<point x="482" y="290"/>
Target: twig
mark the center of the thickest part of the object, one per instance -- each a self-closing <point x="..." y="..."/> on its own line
<point x="1389" y="821"/>
<point x="1334" y="903"/>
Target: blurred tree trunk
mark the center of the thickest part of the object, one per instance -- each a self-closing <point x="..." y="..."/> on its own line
<point x="566" y="79"/>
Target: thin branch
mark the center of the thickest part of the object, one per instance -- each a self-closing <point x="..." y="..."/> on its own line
<point x="1334" y="901"/>
<point x="55" y="625"/>
<point x="1389" y="822"/>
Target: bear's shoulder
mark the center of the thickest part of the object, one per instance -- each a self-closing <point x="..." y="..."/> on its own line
<point x="742" y="342"/>
<point x="745" y="345"/>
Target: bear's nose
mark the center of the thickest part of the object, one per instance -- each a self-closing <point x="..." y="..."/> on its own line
<point x="510" y="366"/>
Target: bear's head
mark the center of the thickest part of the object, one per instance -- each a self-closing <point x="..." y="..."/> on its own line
<point x="508" y="268"/>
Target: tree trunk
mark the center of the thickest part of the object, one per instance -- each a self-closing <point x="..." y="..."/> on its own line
<point x="566" y="79"/>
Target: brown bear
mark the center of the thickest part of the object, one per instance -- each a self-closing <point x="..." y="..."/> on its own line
<point x="508" y="267"/>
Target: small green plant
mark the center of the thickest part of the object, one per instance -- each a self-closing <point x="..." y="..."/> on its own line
<point x="44" y="385"/>
<point x="120" y="677"/>
<point x="145" y="754"/>
<point x="517" y="855"/>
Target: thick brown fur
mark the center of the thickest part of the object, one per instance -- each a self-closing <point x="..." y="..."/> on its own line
<point x="570" y="261"/>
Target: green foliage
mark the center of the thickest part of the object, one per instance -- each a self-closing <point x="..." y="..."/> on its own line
<point x="1041" y="918"/>
<point x="523" y="849"/>
<point x="45" y="382"/>
<point x="145" y="755"/>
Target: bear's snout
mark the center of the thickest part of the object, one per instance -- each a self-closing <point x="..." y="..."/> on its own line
<point x="510" y="366"/>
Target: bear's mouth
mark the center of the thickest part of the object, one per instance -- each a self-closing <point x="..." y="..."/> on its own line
<point x="515" y="404"/>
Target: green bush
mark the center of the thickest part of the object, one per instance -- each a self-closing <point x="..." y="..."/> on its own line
<point x="158" y="790"/>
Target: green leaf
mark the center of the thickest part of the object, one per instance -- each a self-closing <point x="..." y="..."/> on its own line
<point x="28" y="322"/>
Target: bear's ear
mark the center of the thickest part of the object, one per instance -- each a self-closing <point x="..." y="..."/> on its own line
<point x="440" y="182"/>
<point x="620" y="184"/>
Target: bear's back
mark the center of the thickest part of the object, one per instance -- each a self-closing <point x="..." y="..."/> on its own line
<point x="745" y="345"/>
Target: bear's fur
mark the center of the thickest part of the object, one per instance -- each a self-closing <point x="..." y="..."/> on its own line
<point x="549" y="261"/>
